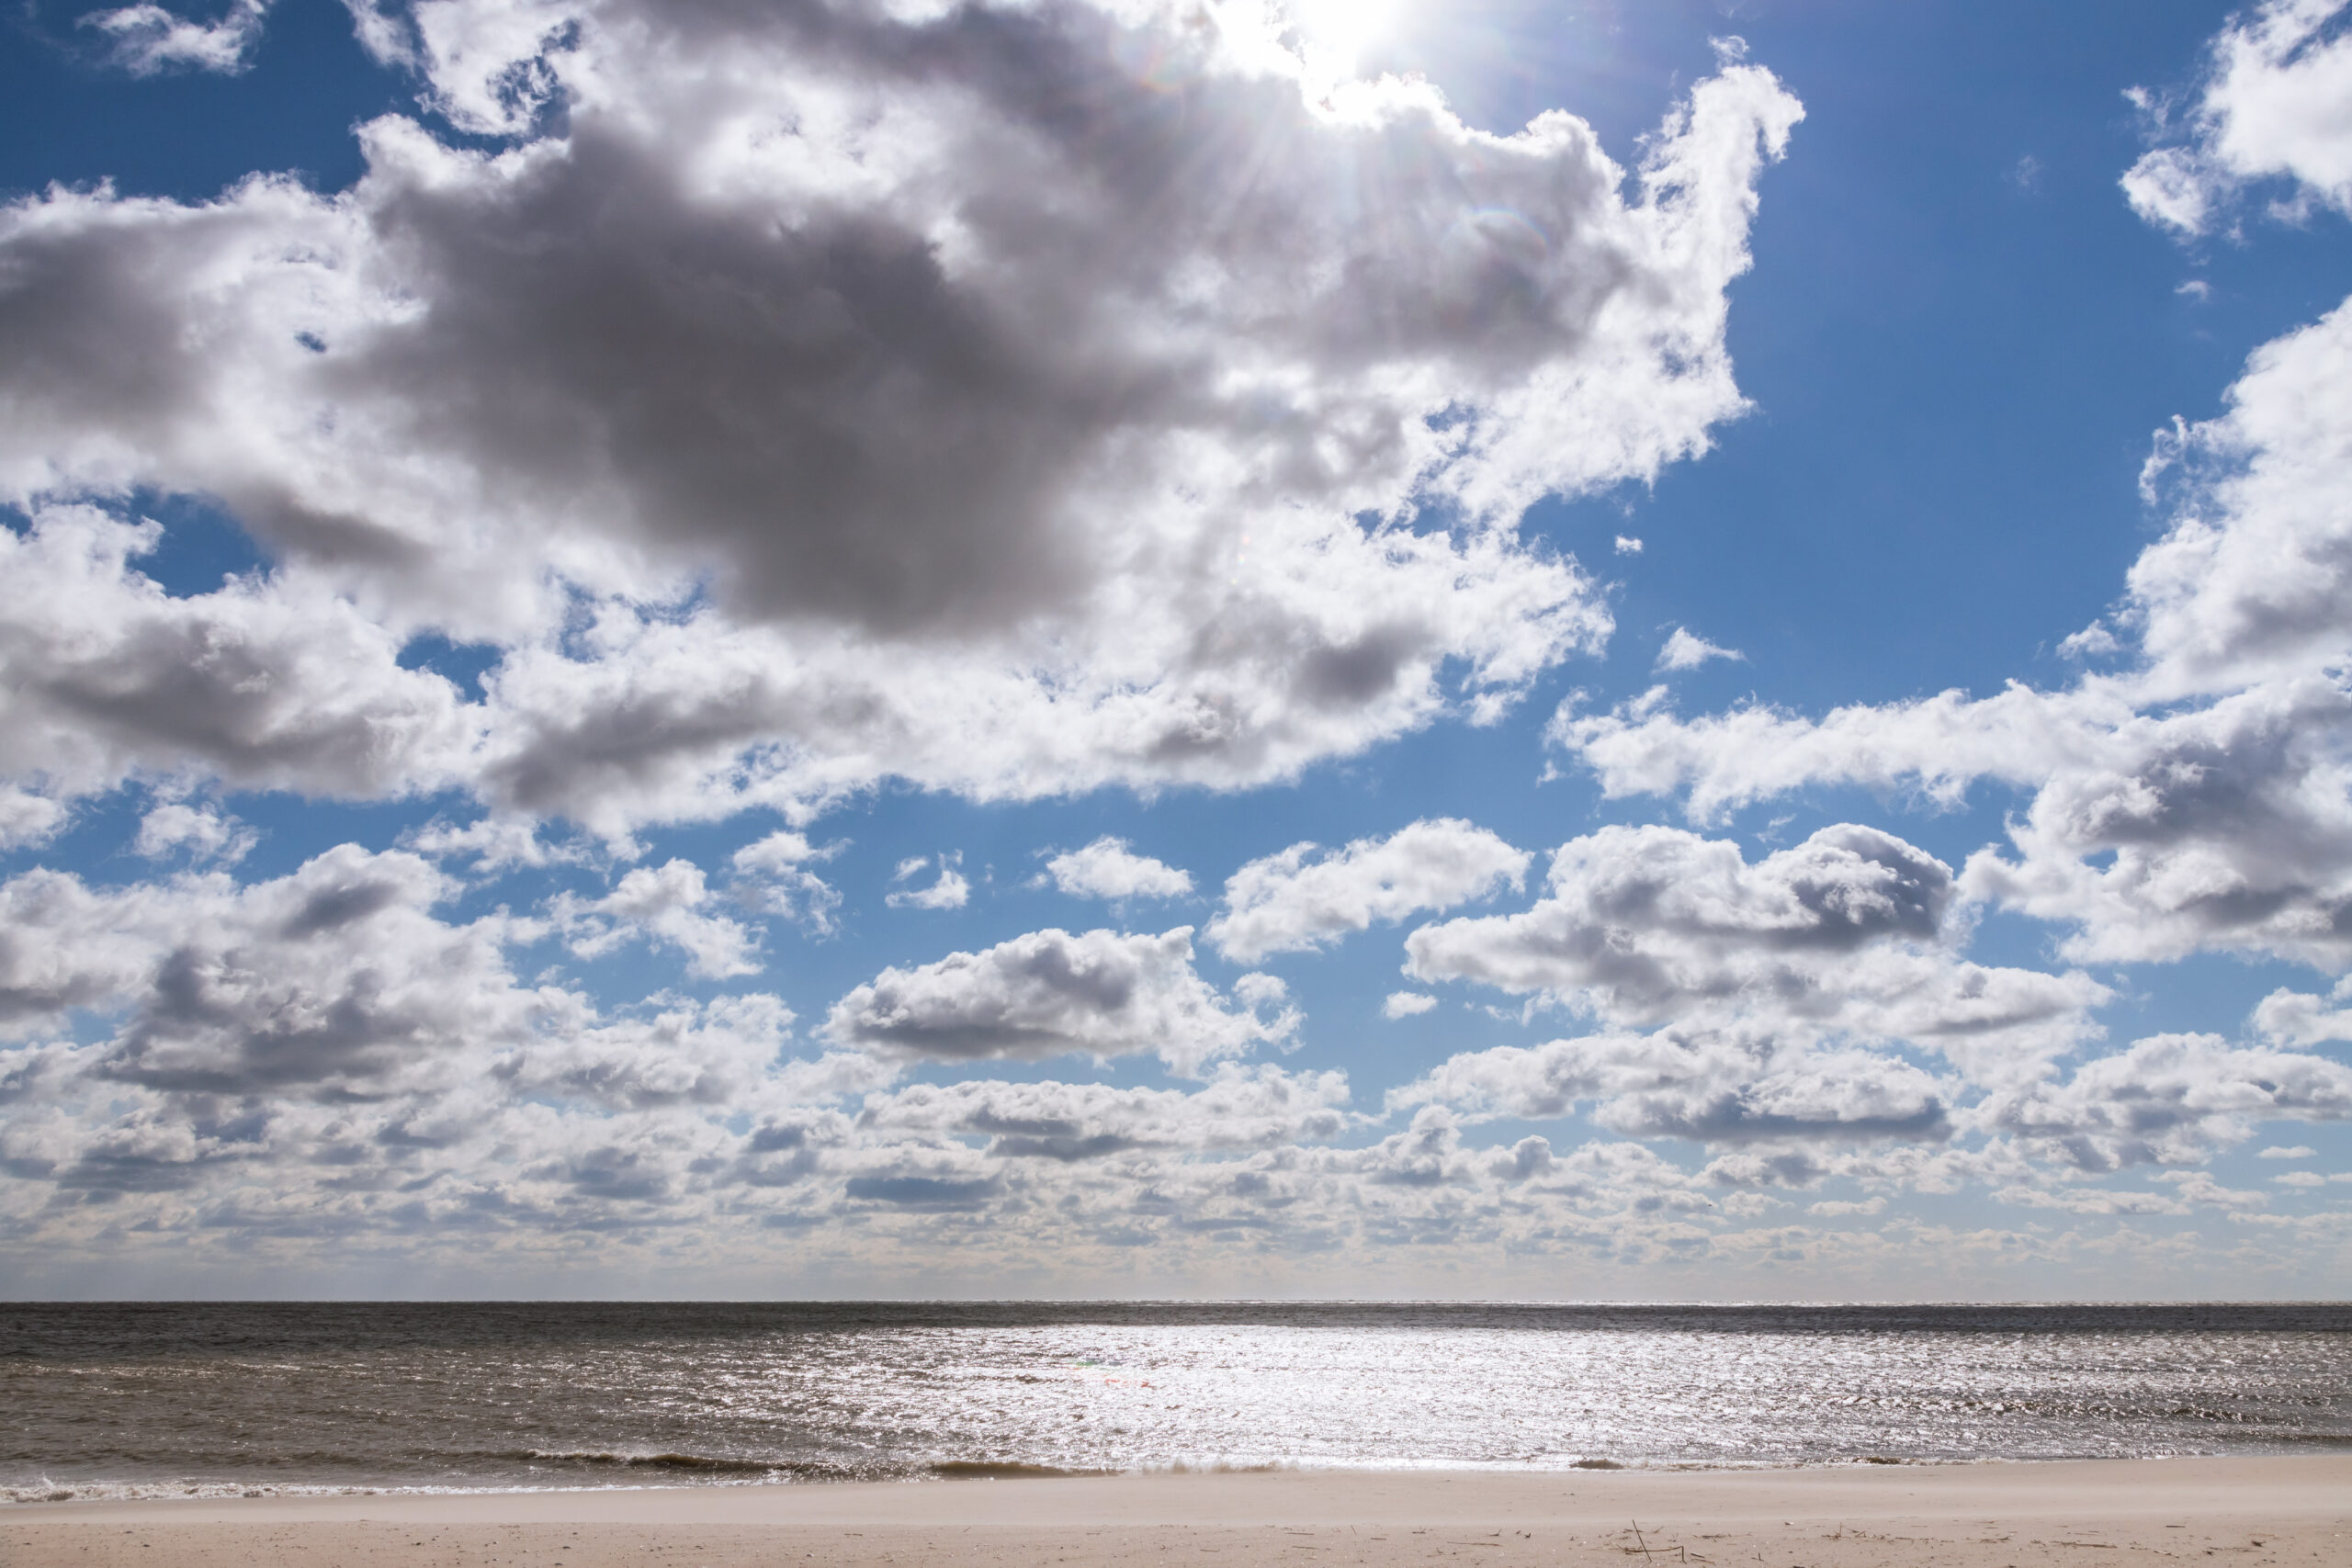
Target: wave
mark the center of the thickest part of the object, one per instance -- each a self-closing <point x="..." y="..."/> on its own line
<point x="46" y="1491"/>
<point x="706" y="1465"/>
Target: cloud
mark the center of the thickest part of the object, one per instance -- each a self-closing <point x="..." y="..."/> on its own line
<point x="662" y="904"/>
<point x="323" y="1057"/>
<point x="1108" y="868"/>
<point x="63" y="946"/>
<point x="1708" y="1088"/>
<point x="2172" y="1098"/>
<point x="1650" y="919"/>
<point x="1406" y="1004"/>
<point x="276" y="683"/>
<point x="322" y="1060"/>
<point x="1306" y="897"/>
<point x="2300" y="1150"/>
<point x="2246" y="583"/>
<point x="1238" y="1108"/>
<point x="324" y="1042"/>
<point x="149" y="40"/>
<point x="772" y="875"/>
<point x="948" y="889"/>
<point x="824" y="441"/>
<point x="1935" y="747"/>
<point x="1051" y="994"/>
<point x="493" y="843"/>
<point x="1746" y="1002"/>
<point x="337" y="979"/>
<point x="2195" y="799"/>
<point x="203" y="834"/>
<point x="1628" y="545"/>
<point x="1685" y="651"/>
<point x="2270" y="106"/>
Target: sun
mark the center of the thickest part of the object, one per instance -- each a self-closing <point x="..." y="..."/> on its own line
<point x="1334" y="35"/>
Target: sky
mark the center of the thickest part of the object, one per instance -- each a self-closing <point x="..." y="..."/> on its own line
<point x="1176" y="648"/>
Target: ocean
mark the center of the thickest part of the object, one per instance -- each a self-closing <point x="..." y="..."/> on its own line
<point x="120" y="1400"/>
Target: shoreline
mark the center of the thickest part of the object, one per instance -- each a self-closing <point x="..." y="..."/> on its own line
<point x="2001" y="1514"/>
<point x="76" y="1494"/>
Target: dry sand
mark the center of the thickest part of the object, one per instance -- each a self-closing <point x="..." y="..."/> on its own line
<point x="2216" y="1511"/>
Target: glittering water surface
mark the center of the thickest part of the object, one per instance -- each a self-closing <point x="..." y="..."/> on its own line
<point x="113" y="1400"/>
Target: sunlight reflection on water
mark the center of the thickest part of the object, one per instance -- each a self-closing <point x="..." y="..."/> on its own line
<point x="151" y="1399"/>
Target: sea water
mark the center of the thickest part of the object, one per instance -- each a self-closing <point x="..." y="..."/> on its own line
<point x="139" y="1400"/>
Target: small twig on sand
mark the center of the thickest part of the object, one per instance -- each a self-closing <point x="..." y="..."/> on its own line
<point x="1640" y="1543"/>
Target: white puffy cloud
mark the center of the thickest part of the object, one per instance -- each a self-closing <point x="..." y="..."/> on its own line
<point x="2299" y="1019"/>
<point x="317" y="1061"/>
<point x="1406" y="1004"/>
<point x="2155" y="834"/>
<point x="2248" y="582"/>
<point x="772" y="875"/>
<point x="1655" y="916"/>
<point x="1306" y="897"/>
<point x="1745" y="1002"/>
<point x="715" y="1055"/>
<point x="1687" y="650"/>
<point x="202" y="833"/>
<point x="1236" y="1107"/>
<point x="321" y="1037"/>
<point x="2222" y="826"/>
<point x="1053" y="993"/>
<point x="1844" y="934"/>
<point x="492" y="843"/>
<point x="323" y="1058"/>
<point x="64" y="946"/>
<point x="948" y="888"/>
<point x="822" y="439"/>
<point x="665" y="904"/>
<point x="1935" y="746"/>
<point x="2196" y="797"/>
<point x="335" y="980"/>
<point x="2172" y="1098"/>
<point x="1109" y="868"/>
<point x="2272" y="105"/>
<point x="27" y="817"/>
<point x="1709" y="1086"/>
<point x="266" y="683"/>
<point x="148" y="39"/>
<point x="2199" y="798"/>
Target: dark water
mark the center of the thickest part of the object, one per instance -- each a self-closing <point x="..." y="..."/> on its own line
<point x="148" y="1400"/>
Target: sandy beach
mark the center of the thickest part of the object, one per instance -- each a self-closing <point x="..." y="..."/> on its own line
<point x="2238" y="1511"/>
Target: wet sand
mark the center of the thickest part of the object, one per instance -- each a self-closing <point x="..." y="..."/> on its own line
<point x="2218" y="1511"/>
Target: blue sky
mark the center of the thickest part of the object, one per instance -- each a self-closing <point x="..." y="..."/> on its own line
<point x="572" y="568"/>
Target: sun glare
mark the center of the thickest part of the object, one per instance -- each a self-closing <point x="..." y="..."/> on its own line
<point x="1334" y="35"/>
